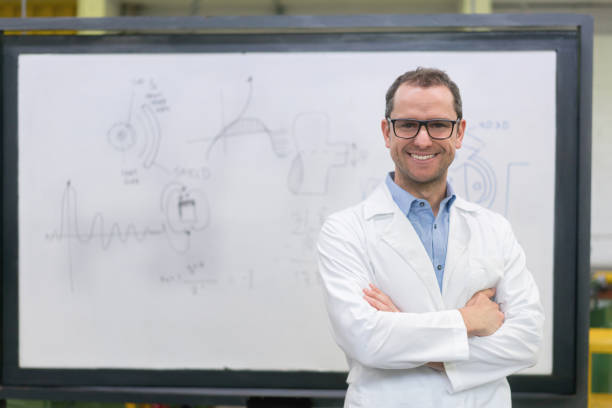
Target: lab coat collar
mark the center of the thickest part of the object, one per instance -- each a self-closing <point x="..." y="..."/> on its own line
<point x="380" y="202"/>
<point x="401" y="236"/>
<point x="464" y="205"/>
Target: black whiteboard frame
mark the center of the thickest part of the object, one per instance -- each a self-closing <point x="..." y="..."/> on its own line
<point x="570" y="35"/>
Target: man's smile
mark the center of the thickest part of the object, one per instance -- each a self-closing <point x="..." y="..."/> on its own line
<point x="421" y="156"/>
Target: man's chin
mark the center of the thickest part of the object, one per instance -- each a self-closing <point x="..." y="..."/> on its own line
<point x="422" y="179"/>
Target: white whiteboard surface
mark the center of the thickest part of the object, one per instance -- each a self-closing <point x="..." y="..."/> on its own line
<point x="169" y="204"/>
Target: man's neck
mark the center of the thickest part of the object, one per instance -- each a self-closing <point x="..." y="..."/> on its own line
<point x="433" y="192"/>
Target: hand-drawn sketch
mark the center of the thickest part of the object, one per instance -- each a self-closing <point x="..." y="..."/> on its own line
<point x="475" y="173"/>
<point x="186" y="210"/>
<point x="122" y="136"/>
<point x="140" y="133"/>
<point x="71" y="232"/>
<point x="306" y="225"/>
<point x="316" y="156"/>
<point x="243" y="125"/>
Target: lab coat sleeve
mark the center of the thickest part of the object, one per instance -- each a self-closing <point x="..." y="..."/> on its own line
<point x="373" y="338"/>
<point x="515" y="345"/>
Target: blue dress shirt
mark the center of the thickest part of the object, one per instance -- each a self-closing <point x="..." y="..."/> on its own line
<point x="433" y="231"/>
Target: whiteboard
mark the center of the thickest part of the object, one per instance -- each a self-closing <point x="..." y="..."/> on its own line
<point x="169" y="204"/>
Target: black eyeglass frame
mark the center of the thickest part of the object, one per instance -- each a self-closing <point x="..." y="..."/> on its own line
<point x="426" y="124"/>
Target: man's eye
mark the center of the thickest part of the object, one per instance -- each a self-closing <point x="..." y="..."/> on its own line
<point x="439" y="125"/>
<point x="408" y="125"/>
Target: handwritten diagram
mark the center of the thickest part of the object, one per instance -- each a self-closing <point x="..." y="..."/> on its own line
<point x="140" y="133"/>
<point x="316" y="156"/>
<point x="243" y="125"/>
<point x="186" y="211"/>
<point x="476" y="173"/>
<point x="474" y="177"/>
<point x="71" y="233"/>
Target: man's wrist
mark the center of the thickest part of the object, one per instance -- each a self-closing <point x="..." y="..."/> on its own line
<point x="466" y="320"/>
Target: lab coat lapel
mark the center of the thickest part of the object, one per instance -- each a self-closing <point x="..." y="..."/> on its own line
<point x="457" y="253"/>
<point x="400" y="235"/>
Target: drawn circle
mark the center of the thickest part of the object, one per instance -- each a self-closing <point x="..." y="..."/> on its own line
<point x="122" y="136"/>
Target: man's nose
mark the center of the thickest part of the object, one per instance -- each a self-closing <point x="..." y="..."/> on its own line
<point x="422" y="138"/>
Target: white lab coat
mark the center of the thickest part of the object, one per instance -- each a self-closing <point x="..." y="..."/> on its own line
<point x="374" y="242"/>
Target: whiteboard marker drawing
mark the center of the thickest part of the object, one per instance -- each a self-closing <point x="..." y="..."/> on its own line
<point x="139" y="136"/>
<point x="316" y="156"/>
<point x="475" y="174"/>
<point x="242" y="125"/>
<point x="71" y="233"/>
<point x="186" y="211"/>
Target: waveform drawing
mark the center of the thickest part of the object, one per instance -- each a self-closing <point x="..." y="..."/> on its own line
<point x="71" y="232"/>
<point x="316" y="156"/>
<point x="186" y="211"/>
<point x="243" y="125"/>
<point x="478" y="176"/>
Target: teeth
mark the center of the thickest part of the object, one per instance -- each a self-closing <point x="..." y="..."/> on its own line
<point x="419" y="157"/>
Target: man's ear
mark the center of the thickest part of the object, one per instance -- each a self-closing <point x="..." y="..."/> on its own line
<point x="460" y="133"/>
<point x="384" y="126"/>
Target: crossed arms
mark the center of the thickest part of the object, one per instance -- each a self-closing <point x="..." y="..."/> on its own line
<point x="481" y="315"/>
<point x="476" y="344"/>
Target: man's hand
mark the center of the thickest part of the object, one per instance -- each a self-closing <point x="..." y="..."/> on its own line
<point x="436" y="366"/>
<point x="381" y="302"/>
<point x="481" y="315"/>
<point x="378" y="300"/>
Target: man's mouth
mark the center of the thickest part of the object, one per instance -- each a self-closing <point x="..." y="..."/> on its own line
<point x="421" y="156"/>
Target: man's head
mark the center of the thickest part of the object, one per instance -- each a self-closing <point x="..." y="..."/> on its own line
<point x="424" y="78"/>
<point x="423" y="152"/>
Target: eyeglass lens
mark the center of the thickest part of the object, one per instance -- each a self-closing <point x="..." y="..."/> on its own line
<point x="437" y="129"/>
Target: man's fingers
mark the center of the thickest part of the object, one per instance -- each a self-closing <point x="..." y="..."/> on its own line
<point x="488" y="292"/>
<point x="436" y="366"/>
<point x="376" y="290"/>
<point x="376" y="304"/>
<point x="383" y="302"/>
<point x="377" y="294"/>
<point x="380" y="299"/>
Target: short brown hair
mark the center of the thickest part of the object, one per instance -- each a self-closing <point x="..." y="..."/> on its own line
<point x="424" y="77"/>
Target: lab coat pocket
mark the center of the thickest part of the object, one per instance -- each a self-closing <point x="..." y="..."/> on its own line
<point x="484" y="273"/>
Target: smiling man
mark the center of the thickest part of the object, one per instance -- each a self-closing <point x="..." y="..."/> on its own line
<point x="429" y="295"/>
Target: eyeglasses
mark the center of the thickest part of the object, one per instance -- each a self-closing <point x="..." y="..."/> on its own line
<point x="438" y="129"/>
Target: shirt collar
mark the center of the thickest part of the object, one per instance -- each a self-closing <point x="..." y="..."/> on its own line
<point x="404" y="199"/>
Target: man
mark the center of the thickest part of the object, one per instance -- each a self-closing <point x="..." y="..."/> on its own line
<point x="428" y="295"/>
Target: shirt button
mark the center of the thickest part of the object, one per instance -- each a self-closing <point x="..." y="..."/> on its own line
<point x="435" y="226"/>
<point x="422" y="204"/>
<point x="439" y="267"/>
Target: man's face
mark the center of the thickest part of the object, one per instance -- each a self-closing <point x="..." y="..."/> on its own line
<point x="422" y="162"/>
